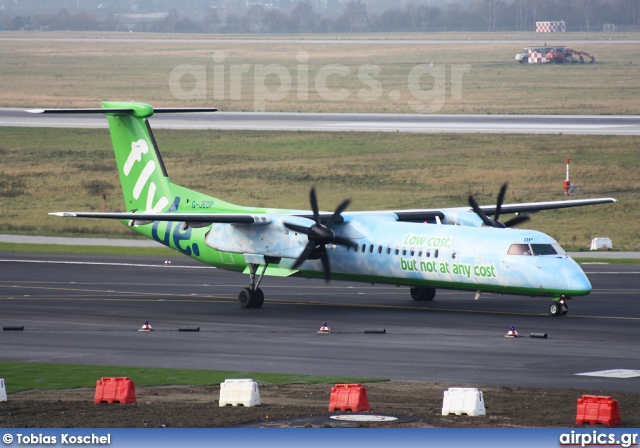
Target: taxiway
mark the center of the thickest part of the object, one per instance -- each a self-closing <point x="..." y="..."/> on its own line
<point x="88" y="309"/>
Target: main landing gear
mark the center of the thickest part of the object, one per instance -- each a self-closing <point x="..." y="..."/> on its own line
<point x="422" y="294"/>
<point x="558" y="307"/>
<point x="252" y="297"/>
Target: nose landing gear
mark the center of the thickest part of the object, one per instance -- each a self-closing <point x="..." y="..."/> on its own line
<point x="559" y="307"/>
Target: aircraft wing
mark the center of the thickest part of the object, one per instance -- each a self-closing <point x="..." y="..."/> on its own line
<point x="532" y="207"/>
<point x="414" y="215"/>
<point x="428" y="215"/>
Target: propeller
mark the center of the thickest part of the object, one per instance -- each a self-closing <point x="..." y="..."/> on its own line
<point x="495" y="221"/>
<point x="320" y="235"/>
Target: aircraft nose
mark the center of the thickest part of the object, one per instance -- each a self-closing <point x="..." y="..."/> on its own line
<point x="579" y="283"/>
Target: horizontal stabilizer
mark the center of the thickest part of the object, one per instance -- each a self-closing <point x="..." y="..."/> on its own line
<point x="173" y="217"/>
<point x="100" y="110"/>
<point x="119" y="111"/>
<point x="219" y="218"/>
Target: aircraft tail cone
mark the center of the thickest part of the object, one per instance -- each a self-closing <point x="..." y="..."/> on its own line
<point x="146" y="326"/>
<point x="324" y="329"/>
<point x="512" y="333"/>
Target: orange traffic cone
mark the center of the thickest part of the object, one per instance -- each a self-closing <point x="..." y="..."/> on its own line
<point x="512" y="333"/>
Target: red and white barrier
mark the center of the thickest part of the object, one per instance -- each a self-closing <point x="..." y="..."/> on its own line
<point x="551" y="27"/>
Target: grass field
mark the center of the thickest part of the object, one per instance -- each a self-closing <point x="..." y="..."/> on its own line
<point x="21" y="376"/>
<point x="60" y="70"/>
<point x="91" y="250"/>
<point x="47" y="170"/>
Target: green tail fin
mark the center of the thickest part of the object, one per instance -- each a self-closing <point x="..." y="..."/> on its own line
<point x="145" y="183"/>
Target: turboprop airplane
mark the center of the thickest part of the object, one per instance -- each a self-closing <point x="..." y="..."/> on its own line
<point x="461" y="248"/>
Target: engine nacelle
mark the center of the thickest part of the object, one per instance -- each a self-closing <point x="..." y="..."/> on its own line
<point x="461" y="218"/>
<point x="272" y="239"/>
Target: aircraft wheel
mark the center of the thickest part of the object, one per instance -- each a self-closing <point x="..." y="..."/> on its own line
<point x="258" y="298"/>
<point x="422" y="294"/>
<point x="555" y="309"/>
<point x="246" y="299"/>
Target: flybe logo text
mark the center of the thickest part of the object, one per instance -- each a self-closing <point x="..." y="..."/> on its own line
<point x="137" y="150"/>
<point x="422" y="240"/>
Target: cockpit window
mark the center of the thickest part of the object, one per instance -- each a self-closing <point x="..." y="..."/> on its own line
<point x="543" y="249"/>
<point x="535" y="249"/>
<point x="519" y="249"/>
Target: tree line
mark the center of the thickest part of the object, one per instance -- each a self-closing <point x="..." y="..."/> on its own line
<point x="354" y="17"/>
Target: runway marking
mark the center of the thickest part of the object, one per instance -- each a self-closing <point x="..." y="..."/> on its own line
<point x="98" y="263"/>
<point x="205" y="299"/>
<point x="615" y="373"/>
<point x="75" y="287"/>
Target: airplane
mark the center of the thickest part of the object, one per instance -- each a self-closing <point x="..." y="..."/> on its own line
<point x="463" y="248"/>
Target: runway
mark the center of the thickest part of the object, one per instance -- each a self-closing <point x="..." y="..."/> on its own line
<point x="87" y="310"/>
<point x="346" y="40"/>
<point x="329" y="122"/>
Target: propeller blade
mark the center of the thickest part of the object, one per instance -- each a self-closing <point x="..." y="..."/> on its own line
<point x="304" y="255"/>
<point x="496" y="216"/>
<point x="517" y="220"/>
<point x="474" y="205"/>
<point x="501" y="194"/>
<point x="314" y="205"/>
<point x="326" y="265"/>
<point x="345" y="242"/>
<point x="338" y="211"/>
<point x="320" y="235"/>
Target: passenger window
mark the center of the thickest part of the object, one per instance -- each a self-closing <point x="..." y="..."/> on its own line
<point x="413" y="252"/>
<point x="428" y="254"/>
<point x="397" y="251"/>
<point x="371" y="249"/>
<point x="388" y="250"/>
<point x="519" y="249"/>
<point x="419" y="253"/>
<point x="404" y="252"/>
<point x="364" y="248"/>
<point x="379" y="249"/>
<point x="435" y="254"/>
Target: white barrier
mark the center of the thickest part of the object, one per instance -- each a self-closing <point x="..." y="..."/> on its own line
<point x="463" y="400"/>
<point x="3" y="391"/>
<point x="601" y="243"/>
<point x="235" y="392"/>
